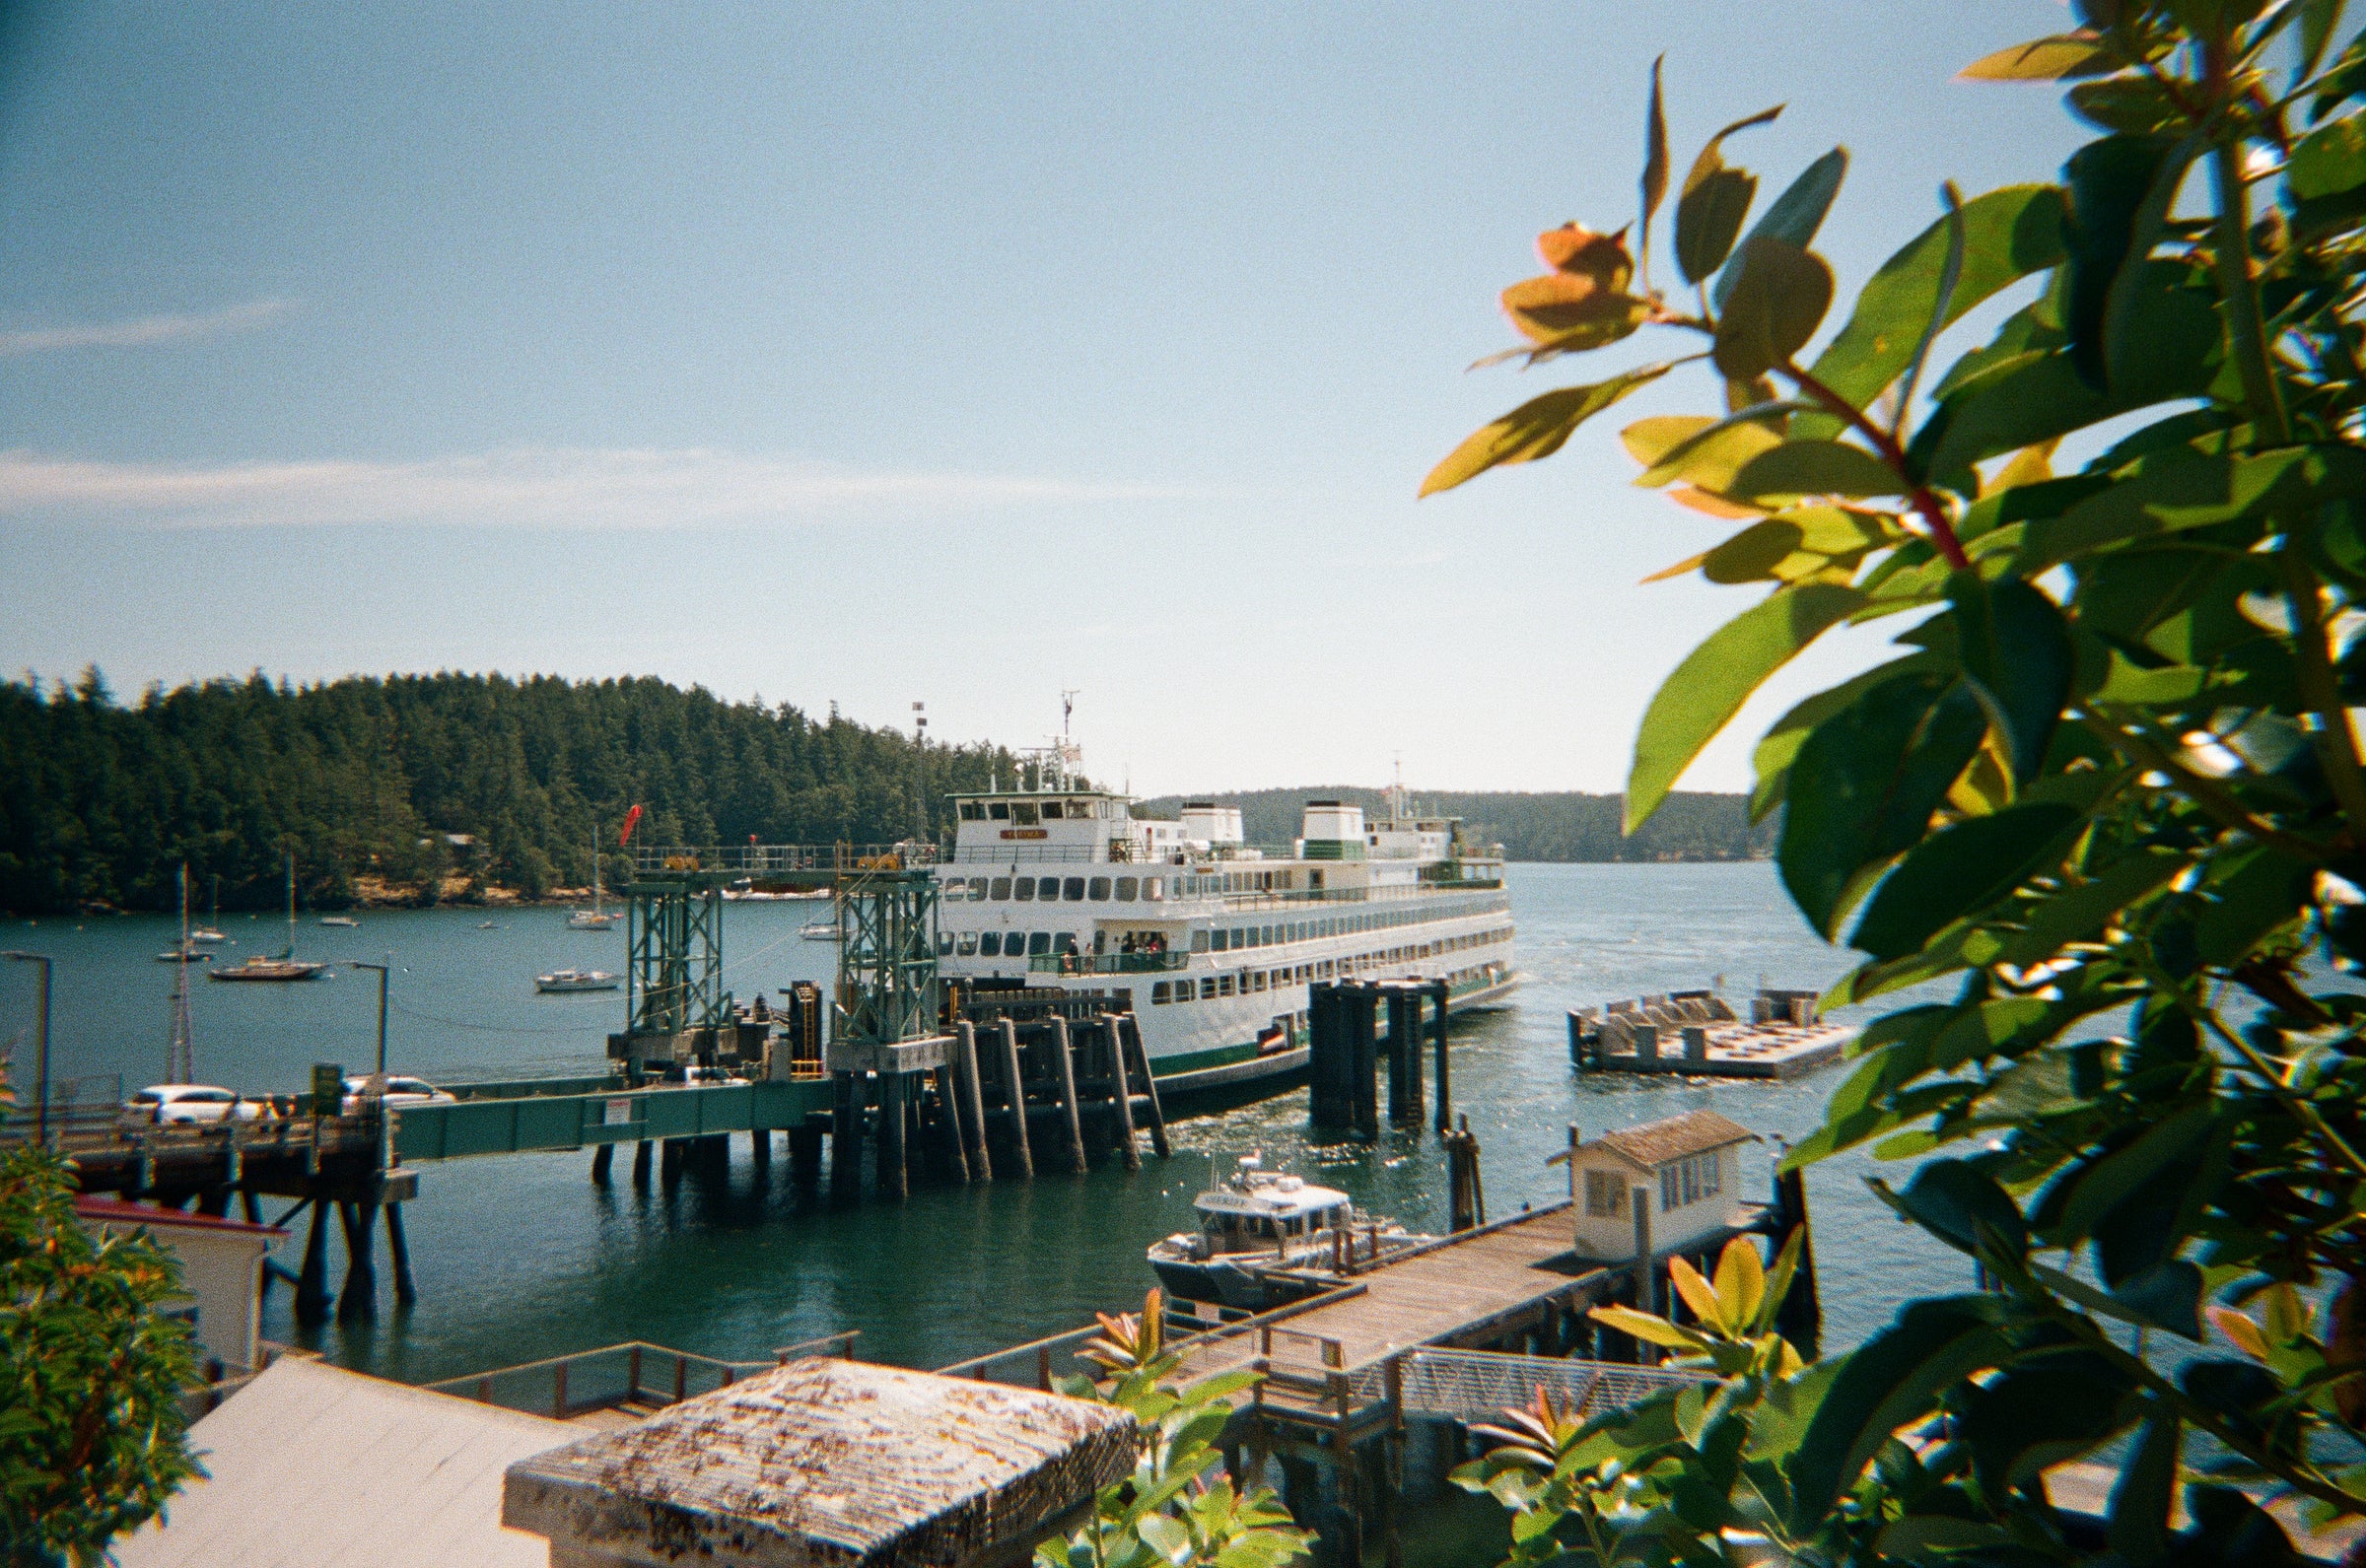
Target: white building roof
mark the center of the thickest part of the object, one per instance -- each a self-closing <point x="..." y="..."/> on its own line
<point x="313" y="1466"/>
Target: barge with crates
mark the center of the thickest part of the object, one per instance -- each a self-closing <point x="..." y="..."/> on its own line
<point x="1697" y="1034"/>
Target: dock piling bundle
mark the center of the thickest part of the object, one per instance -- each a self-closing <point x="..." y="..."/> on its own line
<point x="1346" y="1047"/>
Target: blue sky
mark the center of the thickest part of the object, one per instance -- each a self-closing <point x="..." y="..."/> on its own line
<point x="878" y="353"/>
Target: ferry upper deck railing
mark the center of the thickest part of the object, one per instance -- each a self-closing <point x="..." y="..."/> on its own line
<point x="1107" y="963"/>
<point x="757" y="860"/>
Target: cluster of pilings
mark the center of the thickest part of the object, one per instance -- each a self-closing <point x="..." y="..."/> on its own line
<point x="1017" y="1084"/>
<point x="1348" y="1045"/>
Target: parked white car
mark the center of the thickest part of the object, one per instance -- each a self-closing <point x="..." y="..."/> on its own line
<point x="399" y="1093"/>
<point x="165" y="1103"/>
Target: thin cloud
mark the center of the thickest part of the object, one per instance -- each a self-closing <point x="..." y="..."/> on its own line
<point x="531" y="487"/>
<point x="142" y="331"/>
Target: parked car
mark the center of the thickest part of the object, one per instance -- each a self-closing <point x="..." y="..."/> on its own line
<point x="399" y="1093"/>
<point x="165" y="1103"/>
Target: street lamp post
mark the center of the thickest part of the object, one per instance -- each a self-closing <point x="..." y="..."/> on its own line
<point x="382" y="1016"/>
<point x="41" y="1114"/>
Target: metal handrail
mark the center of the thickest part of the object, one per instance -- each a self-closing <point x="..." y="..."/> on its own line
<point x="759" y="858"/>
<point x="1107" y="963"/>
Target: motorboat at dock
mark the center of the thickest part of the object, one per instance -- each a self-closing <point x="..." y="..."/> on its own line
<point x="1257" y="1227"/>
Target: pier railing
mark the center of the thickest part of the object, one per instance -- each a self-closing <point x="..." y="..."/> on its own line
<point x="635" y="1375"/>
<point x="758" y="859"/>
<point x="1107" y="963"/>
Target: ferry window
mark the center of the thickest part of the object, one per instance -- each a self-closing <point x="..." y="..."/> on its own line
<point x="1051" y="811"/>
<point x="1001" y="888"/>
<point x="1038" y="943"/>
<point x="1126" y="889"/>
<point x="945" y="945"/>
<point x="971" y="811"/>
<point x="1270" y="938"/>
<point x="999" y="810"/>
<point x="1073" y="889"/>
<point x="1199" y="942"/>
<point x="1158" y="994"/>
<point x="1080" y="810"/>
<point x="1224" y="940"/>
<point x="990" y="945"/>
<point x="1153" y="887"/>
<point x="1224" y="985"/>
<point x="952" y="891"/>
<point x="1259" y="979"/>
<point x="1207" y="988"/>
<point x="1023" y="890"/>
<point x="1064" y="941"/>
<point x="1239" y="938"/>
<point x="969" y="943"/>
<point x="1023" y="813"/>
<point x="1097" y="888"/>
<point x="1605" y="1194"/>
<point x="977" y="888"/>
<point x="1047" y="887"/>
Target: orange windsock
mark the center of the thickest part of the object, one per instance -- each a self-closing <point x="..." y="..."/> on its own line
<point x="632" y="820"/>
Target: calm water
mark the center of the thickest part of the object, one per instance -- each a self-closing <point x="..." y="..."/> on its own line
<point x="520" y="1256"/>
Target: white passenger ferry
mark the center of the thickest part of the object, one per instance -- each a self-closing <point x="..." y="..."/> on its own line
<point x="1216" y="940"/>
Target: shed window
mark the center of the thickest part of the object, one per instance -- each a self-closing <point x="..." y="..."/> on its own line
<point x="1605" y="1194"/>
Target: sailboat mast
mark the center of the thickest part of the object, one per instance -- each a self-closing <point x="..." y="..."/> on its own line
<point x="596" y="904"/>
<point x="181" y="1053"/>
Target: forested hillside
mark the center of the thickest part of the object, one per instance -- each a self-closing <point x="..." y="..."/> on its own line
<point x="1532" y="826"/>
<point x="368" y="782"/>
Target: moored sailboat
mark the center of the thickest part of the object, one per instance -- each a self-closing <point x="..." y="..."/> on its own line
<point x="282" y="966"/>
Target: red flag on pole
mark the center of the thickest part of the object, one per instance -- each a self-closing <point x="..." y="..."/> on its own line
<point x="632" y="819"/>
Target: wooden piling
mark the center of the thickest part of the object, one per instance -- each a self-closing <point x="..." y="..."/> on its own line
<point x="948" y="1110"/>
<point x="1647" y="1273"/>
<point x="669" y="1160"/>
<point x="1132" y="1027"/>
<point x="1014" y="1089"/>
<point x="894" y="1175"/>
<point x="759" y="1150"/>
<point x="804" y="1158"/>
<point x="359" y="1299"/>
<point x="1466" y="1197"/>
<point x="1439" y="997"/>
<point x="602" y="1158"/>
<point x="1330" y="1068"/>
<point x="1363" y="1027"/>
<point x="1065" y="1061"/>
<point x="846" y="1136"/>
<point x="1404" y="1054"/>
<point x="311" y="1286"/>
<point x="1121" y="1094"/>
<point x="641" y="1154"/>
<point x="1800" y="1319"/>
<point x="972" y="1105"/>
<point x="399" y="1246"/>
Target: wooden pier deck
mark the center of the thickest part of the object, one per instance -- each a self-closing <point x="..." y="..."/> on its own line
<point x="1468" y="1290"/>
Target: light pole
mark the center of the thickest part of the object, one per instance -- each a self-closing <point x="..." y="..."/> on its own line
<point x="41" y="1114"/>
<point x="381" y="1017"/>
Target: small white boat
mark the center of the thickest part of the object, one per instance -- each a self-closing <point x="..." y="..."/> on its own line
<point x="261" y="968"/>
<point x="488" y="925"/>
<point x="572" y="980"/>
<point x="206" y="936"/>
<point x="819" y="932"/>
<point x="191" y="954"/>
<point x="596" y="918"/>
<point x="1260" y="1221"/>
<point x="345" y="921"/>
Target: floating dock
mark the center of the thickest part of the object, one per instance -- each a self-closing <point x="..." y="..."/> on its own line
<point x="1694" y="1034"/>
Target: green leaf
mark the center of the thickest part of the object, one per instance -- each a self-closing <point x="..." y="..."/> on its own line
<point x="2181" y="489"/>
<point x="2080" y="913"/>
<point x="2015" y="649"/>
<point x="2264" y="889"/>
<point x="1697" y="448"/>
<point x="2330" y="160"/>
<point x="1655" y="166"/>
<point x="2003" y="1027"/>
<point x="1963" y="1206"/>
<point x="1814" y="468"/>
<point x="2137" y="1526"/>
<point x="2121" y="189"/>
<point x="1866" y="783"/>
<point x="1771" y="762"/>
<point x="2133" y="104"/>
<point x="1710" y="687"/>
<point x="1165" y="1536"/>
<point x="1959" y="871"/>
<point x="1536" y="429"/>
<point x="2048" y="59"/>
<point x="2008" y="235"/>
<point x="1794" y="216"/>
<point x="1715" y="200"/>
<point x="2101" y="1186"/>
<point x="2035" y="1415"/>
<point x="1893" y="1377"/>
<point x="1775" y="307"/>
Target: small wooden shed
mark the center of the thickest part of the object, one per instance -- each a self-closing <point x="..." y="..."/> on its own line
<point x="1687" y="1170"/>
